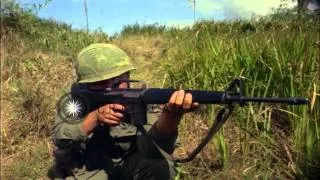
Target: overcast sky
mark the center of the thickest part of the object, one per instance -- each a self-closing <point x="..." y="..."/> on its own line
<point x="112" y="15"/>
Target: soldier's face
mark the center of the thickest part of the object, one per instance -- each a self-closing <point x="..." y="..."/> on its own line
<point x="101" y="85"/>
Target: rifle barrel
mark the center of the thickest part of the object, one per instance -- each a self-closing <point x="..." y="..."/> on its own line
<point x="293" y="100"/>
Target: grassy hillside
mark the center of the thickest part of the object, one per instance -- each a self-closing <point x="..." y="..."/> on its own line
<point x="277" y="55"/>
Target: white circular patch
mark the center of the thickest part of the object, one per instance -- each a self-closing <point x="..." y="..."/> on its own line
<point x="72" y="109"/>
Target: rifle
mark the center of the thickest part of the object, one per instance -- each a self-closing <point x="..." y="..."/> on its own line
<point x="82" y="100"/>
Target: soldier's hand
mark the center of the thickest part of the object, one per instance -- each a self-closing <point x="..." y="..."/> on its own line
<point x="111" y="114"/>
<point x="181" y="102"/>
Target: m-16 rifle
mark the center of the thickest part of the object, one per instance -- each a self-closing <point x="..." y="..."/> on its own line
<point x="81" y="101"/>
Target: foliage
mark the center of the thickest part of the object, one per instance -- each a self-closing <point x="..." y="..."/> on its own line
<point x="275" y="57"/>
<point x="47" y="35"/>
<point x="137" y="29"/>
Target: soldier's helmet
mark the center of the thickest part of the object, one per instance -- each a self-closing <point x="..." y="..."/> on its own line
<point x="101" y="61"/>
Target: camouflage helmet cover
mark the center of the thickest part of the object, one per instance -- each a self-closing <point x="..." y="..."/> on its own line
<point x="101" y="61"/>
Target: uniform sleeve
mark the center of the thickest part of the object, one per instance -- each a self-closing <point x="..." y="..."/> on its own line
<point x="164" y="141"/>
<point x="66" y="135"/>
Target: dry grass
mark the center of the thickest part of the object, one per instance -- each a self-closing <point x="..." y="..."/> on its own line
<point x="147" y="55"/>
<point x="30" y="86"/>
<point x="31" y="82"/>
<point x="32" y="160"/>
<point x="208" y="163"/>
<point x="149" y="47"/>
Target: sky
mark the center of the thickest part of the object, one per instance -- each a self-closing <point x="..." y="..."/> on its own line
<point x="111" y="15"/>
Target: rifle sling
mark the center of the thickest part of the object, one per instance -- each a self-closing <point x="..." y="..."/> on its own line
<point x="221" y="118"/>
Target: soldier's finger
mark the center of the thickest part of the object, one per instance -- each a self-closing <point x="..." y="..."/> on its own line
<point x="111" y="122"/>
<point x="195" y="105"/>
<point x="101" y="110"/>
<point x="179" y="98"/>
<point x="108" y="119"/>
<point x="187" y="102"/>
<point x="118" y="107"/>
<point x="170" y="104"/>
<point x="100" y="116"/>
<point x="118" y="115"/>
<point x="112" y="117"/>
<point x="104" y="109"/>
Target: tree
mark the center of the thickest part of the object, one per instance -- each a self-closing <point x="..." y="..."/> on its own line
<point x="193" y="2"/>
<point x="86" y="12"/>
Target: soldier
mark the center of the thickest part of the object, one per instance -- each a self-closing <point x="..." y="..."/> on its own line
<point x="104" y="145"/>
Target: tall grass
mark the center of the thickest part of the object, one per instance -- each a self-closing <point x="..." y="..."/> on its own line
<point x="275" y="58"/>
<point x="146" y="30"/>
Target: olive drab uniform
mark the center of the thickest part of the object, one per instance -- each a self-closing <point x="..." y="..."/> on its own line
<point x="118" y="152"/>
<point x="110" y="152"/>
